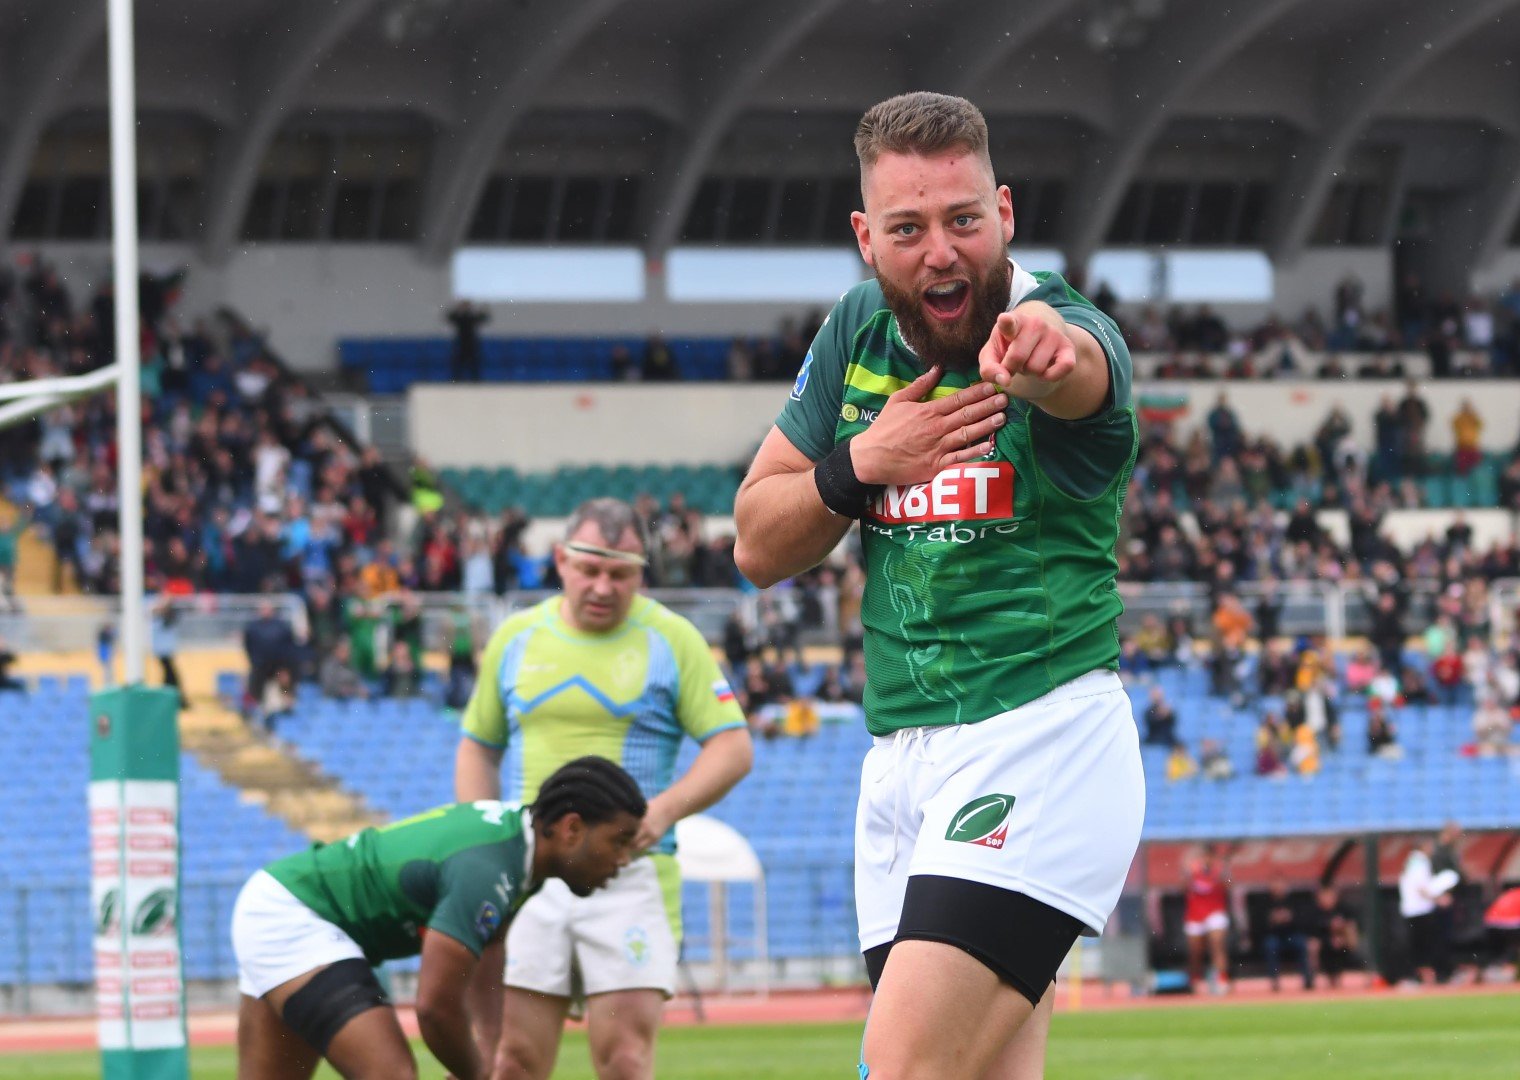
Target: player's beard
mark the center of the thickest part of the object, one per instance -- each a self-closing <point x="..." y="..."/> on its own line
<point x="957" y="345"/>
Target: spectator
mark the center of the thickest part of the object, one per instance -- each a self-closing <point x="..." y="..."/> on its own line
<point x="1160" y="720"/>
<point x="1420" y="889"/>
<point x="1467" y="432"/>
<point x="270" y="645"/>
<point x="1382" y="739"/>
<point x="1414" y="416"/>
<point x="339" y="679"/>
<point x="1414" y="688"/>
<point x="1224" y="429"/>
<point x="1361" y="669"/>
<point x="1304" y="756"/>
<point x="1384" y="685"/>
<point x="800" y="718"/>
<point x="1272" y="743"/>
<point x="659" y="363"/>
<point x="467" y="319"/>
<point x="1214" y="762"/>
<point x="163" y="636"/>
<point x="379" y="577"/>
<point x="1387" y="633"/>
<point x="8" y="682"/>
<point x="1152" y="643"/>
<point x="402" y="679"/>
<point x="1232" y="625"/>
<point x="1206" y="921"/>
<point x="1332" y="935"/>
<point x="462" y="669"/>
<point x="1284" y="936"/>
<point x="831" y="691"/>
<point x="105" y="652"/>
<point x="1180" y="764"/>
<point x="1491" y="725"/>
<point x="1275" y="668"/>
<point x="1448" y="671"/>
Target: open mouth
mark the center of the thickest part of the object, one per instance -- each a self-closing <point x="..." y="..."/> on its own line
<point x="947" y="300"/>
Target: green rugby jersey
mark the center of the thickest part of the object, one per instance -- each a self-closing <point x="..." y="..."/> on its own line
<point x="461" y="870"/>
<point x="996" y="582"/>
<point x="549" y="693"/>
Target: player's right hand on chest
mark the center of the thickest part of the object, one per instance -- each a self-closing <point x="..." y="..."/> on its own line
<point x="914" y="438"/>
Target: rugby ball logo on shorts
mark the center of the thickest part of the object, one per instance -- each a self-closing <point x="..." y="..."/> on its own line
<point x="982" y="821"/>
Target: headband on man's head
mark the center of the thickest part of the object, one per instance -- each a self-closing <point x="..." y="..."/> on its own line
<point x="580" y="547"/>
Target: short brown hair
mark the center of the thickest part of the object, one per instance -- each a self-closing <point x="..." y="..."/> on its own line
<point x="613" y="518"/>
<point x="919" y="123"/>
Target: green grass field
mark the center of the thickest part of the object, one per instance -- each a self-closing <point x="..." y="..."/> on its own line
<point x="1465" y="1038"/>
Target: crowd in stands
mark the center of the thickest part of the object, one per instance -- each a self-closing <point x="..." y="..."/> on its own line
<point x="249" y="488"/>
<point x="1471" y="336"/>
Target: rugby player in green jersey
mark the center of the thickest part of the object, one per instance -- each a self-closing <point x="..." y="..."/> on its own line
<point x="308" y="929"/>
<point x="975" y="418"/>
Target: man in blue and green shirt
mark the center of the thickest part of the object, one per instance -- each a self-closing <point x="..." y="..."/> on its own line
<point x="599" y="669"/>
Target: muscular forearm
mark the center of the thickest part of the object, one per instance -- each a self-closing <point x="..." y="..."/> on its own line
<point x="783" y="527"/>
<point x="1082" y="390"/>
<point x="477" y="772"/>
<point x="446" y="1031"/>
<point x="484" y="999"/>
<point x="723" y="762"/>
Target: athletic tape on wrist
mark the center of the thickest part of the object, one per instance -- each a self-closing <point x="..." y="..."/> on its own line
<point x="838" y="486"/>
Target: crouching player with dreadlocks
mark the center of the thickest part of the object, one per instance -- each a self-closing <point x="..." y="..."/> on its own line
<point x="307" y="929"/>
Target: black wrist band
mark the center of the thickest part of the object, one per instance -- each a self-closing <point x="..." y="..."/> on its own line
<point x="841" y="490"/>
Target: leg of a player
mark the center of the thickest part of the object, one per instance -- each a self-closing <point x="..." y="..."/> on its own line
<point x="622" y="1026"/>
<point x="267" y="1049"/>
<point x="532" y="1025"/>
<point x="1024" y="1056"/>
<point x="1196" y="948"/>
<point x="370" y="1044"/>
<point x="940" y="1014"/>
<point x="1220" y="956"/>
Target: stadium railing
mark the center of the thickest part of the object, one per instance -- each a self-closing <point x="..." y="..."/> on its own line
<point x="64" y="623"/>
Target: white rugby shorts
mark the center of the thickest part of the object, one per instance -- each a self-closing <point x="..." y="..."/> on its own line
<point x="1045" y="800"/>
<point x="620" y="937"/>
<point x="276" y="937"/>
<point x="1219" y="920"/>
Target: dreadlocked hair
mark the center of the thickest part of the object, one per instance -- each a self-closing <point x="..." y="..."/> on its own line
<point x="592" y="787"/>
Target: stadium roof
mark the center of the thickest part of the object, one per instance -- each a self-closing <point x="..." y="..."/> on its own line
<point x="1279" y="123"/>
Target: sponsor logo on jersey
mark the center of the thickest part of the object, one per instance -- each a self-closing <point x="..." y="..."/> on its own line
<point x="723" y="692"/>
<point x="802" y="376"/>
<point x="636" y="946"/>
<point x="982" y="821"/>
<point x="487" y="920"/>
<point x="850" y="413"/>
<point x="155" y="914"/>
<point x="980" y="490"/>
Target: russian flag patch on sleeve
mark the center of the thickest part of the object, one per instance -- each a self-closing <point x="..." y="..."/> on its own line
<point x="723" y="692"/>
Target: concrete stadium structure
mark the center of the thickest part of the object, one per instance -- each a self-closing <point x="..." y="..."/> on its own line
<point x="317" y="162"/>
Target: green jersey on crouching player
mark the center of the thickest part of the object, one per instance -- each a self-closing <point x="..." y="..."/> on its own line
<point x="445" y="884"/>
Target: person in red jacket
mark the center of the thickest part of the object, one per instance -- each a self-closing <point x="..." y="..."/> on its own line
<point x="1206" y="920"/>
